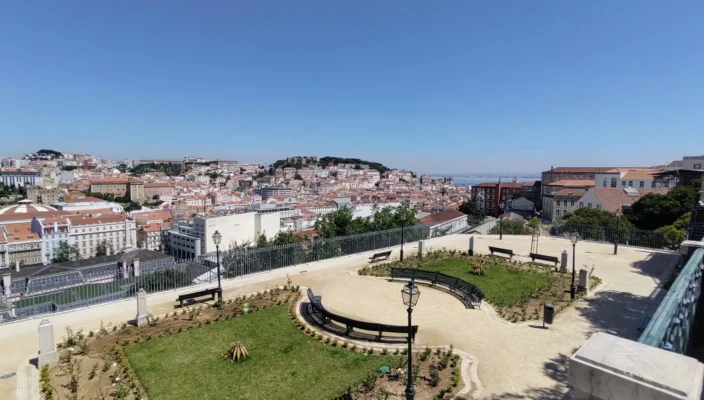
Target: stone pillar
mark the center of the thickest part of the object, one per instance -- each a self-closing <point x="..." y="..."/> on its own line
<point x="608" y="367"/>
<point x="421" y="248"/>
<point x="471" y="245"/>
<point x="47" y="346"/>
<point x="583" y="279"/>
<point x="7" y="284"/>
<point x="136" y="267"/>
<point x="563" y="262"/>
<point x="141" y="318"/>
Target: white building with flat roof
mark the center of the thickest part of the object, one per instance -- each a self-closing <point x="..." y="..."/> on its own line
<point x="192" y="240"/>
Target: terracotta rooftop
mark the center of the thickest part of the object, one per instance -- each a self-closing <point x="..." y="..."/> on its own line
<point x="18" y="233"/>
<point x="573" y="183"/>
<point x="441" y="217"/>
<point x="570" y="192"/>
<point x="613" y="199"/>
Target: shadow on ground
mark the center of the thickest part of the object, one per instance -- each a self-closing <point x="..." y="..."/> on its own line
<point x="618" y="313"/>
<point x="657" y="265"/>
<point x="557" y="369"/>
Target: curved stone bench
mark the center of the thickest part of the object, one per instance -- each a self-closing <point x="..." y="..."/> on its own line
<point x="345" y="326"/>
<point x="464" y="289"/>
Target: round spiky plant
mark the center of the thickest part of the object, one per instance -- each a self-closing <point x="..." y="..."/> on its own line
<point x="236" y="352"/>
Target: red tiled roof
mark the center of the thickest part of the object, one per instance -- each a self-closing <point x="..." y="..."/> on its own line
<point x="573" y="183"/>
<point x="613" y="199"/>
<point x="444" y="216"/>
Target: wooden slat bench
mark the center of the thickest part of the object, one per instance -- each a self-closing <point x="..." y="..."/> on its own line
<point x="508" y="252"/>
<point x="194" y="295"/>
<point x="378" y="256"/>
<point x="543" y="257"/>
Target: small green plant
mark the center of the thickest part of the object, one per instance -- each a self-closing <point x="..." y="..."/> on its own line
<point x="93" y="372"/>
<point x="434" y="375"/>
<point x="345" y="344"/>
<point x="426" y="353"/>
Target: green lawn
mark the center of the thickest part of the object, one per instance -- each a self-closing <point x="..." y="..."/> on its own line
<point x="283" y="362"/>
<point x="81" y="292"/>
<point x="503" y="286"/>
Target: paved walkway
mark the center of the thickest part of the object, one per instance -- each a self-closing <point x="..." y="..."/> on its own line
<point x="515" y="361"/>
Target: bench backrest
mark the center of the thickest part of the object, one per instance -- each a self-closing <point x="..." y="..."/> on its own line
<point x="317" y="305"/>
<point x="437" y="277"/>
<point x="500" y="250"/>
<point x="543" y="257"/>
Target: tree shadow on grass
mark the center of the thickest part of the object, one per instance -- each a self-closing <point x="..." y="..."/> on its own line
<point x="557" y="369"/>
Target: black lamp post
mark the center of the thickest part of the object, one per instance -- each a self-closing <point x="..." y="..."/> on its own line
<point x="574" y="238"/>
<point x="618" y="223"/>
<point x="410" y="294"/>
<point x="217" y="239"/>
<point x="501" y="221"/>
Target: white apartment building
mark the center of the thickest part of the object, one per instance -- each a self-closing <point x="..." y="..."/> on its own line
<point x="638" y="178"/>
<point x="86" y="233"/>
<point x="192" y="240"/>
<point x="21" y="177"/>
<point x="83" y="203"/>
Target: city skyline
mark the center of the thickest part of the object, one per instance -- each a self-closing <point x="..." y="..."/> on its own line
<point x="463" y="88"/>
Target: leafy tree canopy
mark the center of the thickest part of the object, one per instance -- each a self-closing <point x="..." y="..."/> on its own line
<point x="596" y="217"/>
<point x="510" y="227"/>
<point x="654" y="211"/>
<point x="64" y="252"/>
<point x="48" y="152"/>
<point x="342" y="222"/>
<point x="474" y="214"/>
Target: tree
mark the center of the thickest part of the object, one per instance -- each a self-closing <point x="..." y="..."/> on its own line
<point x="342" y="223"/>
<point x="297" y="176"/>
<point x="511" y="227"/>
<point x="474" y="214"/>
<point x="654" y="211"/>
<point x="103" y="248"/>
<point x="672" y="236"/>
<point x="64" y="252"/>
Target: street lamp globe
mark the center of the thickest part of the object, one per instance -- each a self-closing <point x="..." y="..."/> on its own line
<point x="574" y="237"/>
<point x="217" y="238"/>
<point x="410" y="294"/>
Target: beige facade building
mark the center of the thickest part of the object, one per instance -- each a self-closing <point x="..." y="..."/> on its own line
<point x="39" y="195"/>
<point x="19" y="246"/>
<point x="119" y="186"/>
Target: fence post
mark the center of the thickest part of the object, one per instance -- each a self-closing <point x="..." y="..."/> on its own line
<point x="141" y="318"/>
<point x="47" y="346"/>
<point x="471" y="245"/>
<point x="563" y="261"/>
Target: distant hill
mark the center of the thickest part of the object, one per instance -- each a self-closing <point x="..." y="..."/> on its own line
<point x="332" y="161"/>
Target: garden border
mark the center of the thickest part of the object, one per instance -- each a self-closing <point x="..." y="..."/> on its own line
<point x="468" y="367"/>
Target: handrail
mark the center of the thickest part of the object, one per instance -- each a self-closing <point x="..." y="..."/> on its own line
<point x="671" y="324"/>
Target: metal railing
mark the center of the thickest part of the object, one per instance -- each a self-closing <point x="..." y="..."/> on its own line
<point x="620" y="234"/>
<point x="80" y="291"/>
<point x="671" y="325"/>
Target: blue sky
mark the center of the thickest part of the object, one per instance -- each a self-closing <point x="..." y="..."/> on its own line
<point x="453" y="86"/>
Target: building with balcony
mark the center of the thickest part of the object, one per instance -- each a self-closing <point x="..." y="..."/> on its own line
<point x="39" y="195"/>
<point x="21" y="177"/>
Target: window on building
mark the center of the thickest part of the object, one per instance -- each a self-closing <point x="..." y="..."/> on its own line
<point x="630" y="183"/>
<point x="557" y="203"/>
<point x="641" y="184"/>
<point x="589" y="204"/>
<point x="557" y="213"/>
<point x="613" y="182"/>
<point x="604" y="183"/>
<point x="572" y="203"/>
<point x="652" y="184"/>
<point x="697" y="166"/>
<point x="623" y="183"/>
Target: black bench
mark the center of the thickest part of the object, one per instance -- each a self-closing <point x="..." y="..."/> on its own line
<point x="543" y="257"/>
<point x="644" y="324"/>
<point x="508" y="252"/>
<point x="384" y="254"/>
<point x="351" y="324"/>
<point x="194" y="295"/>
<point x="464" y="289"/>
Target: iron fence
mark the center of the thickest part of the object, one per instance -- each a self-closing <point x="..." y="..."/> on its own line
<point x="617" y="234"/>
<point x="672" y="324"/>
<point x="72" y="290"/>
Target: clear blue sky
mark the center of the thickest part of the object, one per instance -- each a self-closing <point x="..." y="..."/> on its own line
<point x="451" y="86"/>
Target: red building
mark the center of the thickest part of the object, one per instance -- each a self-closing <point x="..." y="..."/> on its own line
<point x="490" y="195"/>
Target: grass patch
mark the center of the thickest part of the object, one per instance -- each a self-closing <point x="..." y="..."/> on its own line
<point x="283" y="362"/>
<point x="503" y="286"/>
